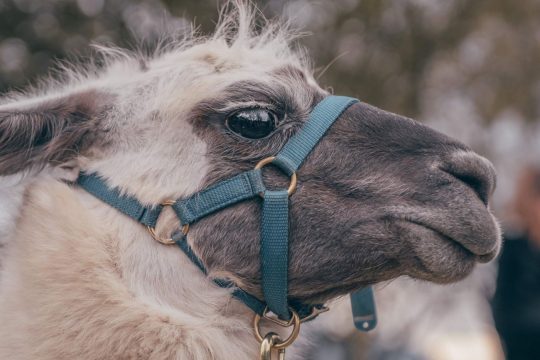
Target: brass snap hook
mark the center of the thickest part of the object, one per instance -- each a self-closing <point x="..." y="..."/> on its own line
<point x="268" y="344"/>
<point x="270" y="159"/>
<point x="166" y="241"/>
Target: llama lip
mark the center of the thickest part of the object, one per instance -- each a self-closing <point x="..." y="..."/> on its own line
<point x="481" y="256"/>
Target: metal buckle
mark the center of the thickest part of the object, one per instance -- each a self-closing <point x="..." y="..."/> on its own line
<point x="295" y="322"/>
<point x="277" y="320"/>
<point x="315" y="312"/>
<point x="269" y="160"/>
<point x="166" y="241"/>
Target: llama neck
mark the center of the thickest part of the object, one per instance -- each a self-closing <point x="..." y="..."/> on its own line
<point x="164" y="279"/>
<point x="89" y="270"/>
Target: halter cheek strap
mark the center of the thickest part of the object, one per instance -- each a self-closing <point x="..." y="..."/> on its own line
<point x="274" y="244"/>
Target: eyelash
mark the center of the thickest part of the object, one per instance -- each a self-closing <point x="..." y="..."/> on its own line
<point x="234" y="108"/>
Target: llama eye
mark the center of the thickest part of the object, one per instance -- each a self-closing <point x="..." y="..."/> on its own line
<point x="252" y="123"/>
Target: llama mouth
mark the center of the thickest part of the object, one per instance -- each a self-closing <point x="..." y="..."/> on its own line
<point x="434" y="256"/>
<point x="480" y="256"/>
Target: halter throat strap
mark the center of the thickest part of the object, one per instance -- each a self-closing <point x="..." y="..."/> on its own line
<point x="274" y="244"/>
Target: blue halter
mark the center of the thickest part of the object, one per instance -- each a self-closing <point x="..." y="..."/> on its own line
<point x="274" y="246"/>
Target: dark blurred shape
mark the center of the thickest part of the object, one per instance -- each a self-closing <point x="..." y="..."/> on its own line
<point x="377" y="353"/>
<point x="516" y="305"/>
<point x="34" y="34"/>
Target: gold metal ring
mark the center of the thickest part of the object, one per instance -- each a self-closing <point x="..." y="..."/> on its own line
<point x="267" y="345"/>
<point x="166" y="241"/>
<point x="270" y="159"/>
<point x="295" y="322"/>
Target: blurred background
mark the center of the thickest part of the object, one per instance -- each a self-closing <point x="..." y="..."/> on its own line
<point x="468" y="68"/>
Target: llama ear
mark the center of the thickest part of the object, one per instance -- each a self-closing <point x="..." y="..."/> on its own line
<point x="48" y="131"/>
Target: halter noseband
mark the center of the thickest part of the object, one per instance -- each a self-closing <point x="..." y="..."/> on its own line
<point x="274" y="247"/>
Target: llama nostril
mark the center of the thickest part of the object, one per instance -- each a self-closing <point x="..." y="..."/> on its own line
<point x="474" y="171"/>
<point x="475" y="183"/>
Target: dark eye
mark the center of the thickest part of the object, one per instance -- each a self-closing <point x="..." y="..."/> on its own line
<point x="252" y="123"/>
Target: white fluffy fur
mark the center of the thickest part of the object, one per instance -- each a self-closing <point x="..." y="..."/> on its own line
<point x="80" y="280"/>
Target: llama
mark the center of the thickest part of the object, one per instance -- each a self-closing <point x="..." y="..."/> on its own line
<point x="379" y="197"/>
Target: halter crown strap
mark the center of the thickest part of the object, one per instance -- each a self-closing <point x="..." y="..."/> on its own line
<point x="126" y="204"/>
<point x="241" y="187"/>
<point x="293" y="154"/>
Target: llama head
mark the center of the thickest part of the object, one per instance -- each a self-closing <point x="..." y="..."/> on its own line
<point x="379" y="197"/>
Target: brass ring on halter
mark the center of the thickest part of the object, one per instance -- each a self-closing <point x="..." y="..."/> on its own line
<point x="270" y="159"/>
<point x="295" y="322"/>
<point x="166" y="241"/>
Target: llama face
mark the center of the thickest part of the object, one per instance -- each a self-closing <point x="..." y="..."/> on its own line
<point x="379" y="197"/>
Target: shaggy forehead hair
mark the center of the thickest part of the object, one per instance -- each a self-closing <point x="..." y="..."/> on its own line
<point x="127" y="96"/>
<point x="243" y="39"/>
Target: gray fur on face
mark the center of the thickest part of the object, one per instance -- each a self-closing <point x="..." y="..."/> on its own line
<point x="379" y="197"/>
